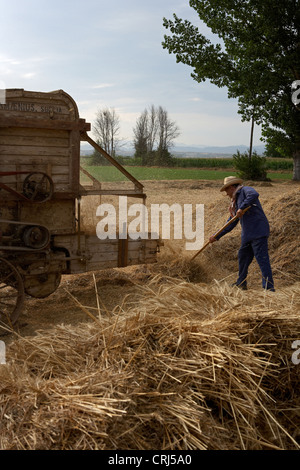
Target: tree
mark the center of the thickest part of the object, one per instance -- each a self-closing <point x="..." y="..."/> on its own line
<point x="154" y="128"/>
<point x="257" y="59"/>
<point x="106" y="129"/>
<point x="145" y="133"/>
<point x="168" y="130"/>
<point x="253" y="168"/>
<point x="141" y="136"/>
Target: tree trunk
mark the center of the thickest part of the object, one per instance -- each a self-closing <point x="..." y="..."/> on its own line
<point x="296" y="171"/>
<point x="251" y="138"/>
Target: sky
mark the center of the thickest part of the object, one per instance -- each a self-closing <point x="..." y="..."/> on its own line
<point x="108" y="54"/>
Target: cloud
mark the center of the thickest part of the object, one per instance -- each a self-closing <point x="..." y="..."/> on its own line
<point x="103" y="85"/>
<point x="113" y="58"/>
<point x="12" y="67"/>
<point x="29" y="75"/>
<point x="196" y="99"/>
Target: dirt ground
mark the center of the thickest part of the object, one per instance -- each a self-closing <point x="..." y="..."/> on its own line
<point x="118" y="286"/>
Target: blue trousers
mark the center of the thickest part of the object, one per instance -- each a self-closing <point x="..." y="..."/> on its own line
<point x="259" y="249"/>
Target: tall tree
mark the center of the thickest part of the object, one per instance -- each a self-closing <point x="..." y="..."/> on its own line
<point x="257" y="59"/>
<point x="168" y="130"/>
<point x="152" y="128"/>
<point x="154" y="135"/>
<point x="106" y="129"/>
<point x="141" y="133"/>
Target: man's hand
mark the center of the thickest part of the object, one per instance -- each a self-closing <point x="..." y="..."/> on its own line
<point x="240" y="213"/>
<point x="212" y="239"/>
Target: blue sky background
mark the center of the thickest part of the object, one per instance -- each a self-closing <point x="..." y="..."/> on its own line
<point x="108" y="53"/>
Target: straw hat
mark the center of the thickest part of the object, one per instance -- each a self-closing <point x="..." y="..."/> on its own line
<point x="229" y="180"/>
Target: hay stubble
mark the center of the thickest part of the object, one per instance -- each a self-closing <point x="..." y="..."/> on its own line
<point x="182" y="361"/>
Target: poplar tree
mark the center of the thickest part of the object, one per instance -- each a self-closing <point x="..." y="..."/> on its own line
<point x="256" y="57"/>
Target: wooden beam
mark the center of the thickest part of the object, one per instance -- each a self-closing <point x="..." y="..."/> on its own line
<point x="79" y="125"/>
<point x="99" y="149"/>
<point x="113" y="192"/>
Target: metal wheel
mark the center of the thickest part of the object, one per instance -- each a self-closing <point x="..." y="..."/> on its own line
<point x="36" y="236"/>
<point x="38" y="187"/>
<point x="11" y="293"/>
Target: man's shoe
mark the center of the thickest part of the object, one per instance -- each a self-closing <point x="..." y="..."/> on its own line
<point x="242" y="286"/>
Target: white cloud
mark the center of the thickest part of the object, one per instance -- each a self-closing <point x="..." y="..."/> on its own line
<point x="113" y="57"/>
<point x="196" y="99"/>
<point x="103" y="85"/>
<point x="29" y="75"/>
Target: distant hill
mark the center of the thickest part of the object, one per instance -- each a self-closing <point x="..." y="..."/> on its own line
<point x="186" y="151"/>
<point x="211" y="151"/>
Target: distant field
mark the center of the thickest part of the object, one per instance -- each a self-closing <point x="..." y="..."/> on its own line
<point x="224" y="163"/>
<point x="109" y="173"/>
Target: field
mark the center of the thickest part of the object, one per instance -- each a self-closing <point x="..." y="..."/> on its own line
<point x="165" y="356"/>
<point x="109" y="173"/>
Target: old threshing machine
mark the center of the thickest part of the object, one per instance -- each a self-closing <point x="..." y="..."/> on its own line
<point x="40" y="192"/>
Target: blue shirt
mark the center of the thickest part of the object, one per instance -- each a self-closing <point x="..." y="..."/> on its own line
<point x="254" y="222"/>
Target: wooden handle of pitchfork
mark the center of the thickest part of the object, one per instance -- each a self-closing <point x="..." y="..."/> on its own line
<point x="219" y="231"/>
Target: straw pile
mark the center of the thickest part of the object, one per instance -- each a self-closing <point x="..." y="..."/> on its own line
<point x="188" y="367"/>
<point x="184" y="362"/>
<point x="284" y="248"/>
<point x="284" y="239"/>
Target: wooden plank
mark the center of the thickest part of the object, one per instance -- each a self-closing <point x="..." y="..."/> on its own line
<point x="33" y="132"/>
<point x="74" y="174"/>
<point x="38" y="108"/>
<point x="84" y="191"/>
<point x="62" y="160"/>
<point x="58" y="218"/>
<point x="35" y="141"/>
<point x="123" y="253"/>
<point x="135" y="255"/>
<point x="98" y="266"/>
<point x="55" y="170"/>
<point x="40" y="103"/>
<point x="25" y="151"/>
<point x="16" y="121"/>
<point x="94" y="242"/>
<point x="107" y="253"/>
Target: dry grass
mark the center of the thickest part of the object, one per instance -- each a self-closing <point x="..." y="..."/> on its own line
<point x="187" y="368"/>
<point x="190" y="363"/>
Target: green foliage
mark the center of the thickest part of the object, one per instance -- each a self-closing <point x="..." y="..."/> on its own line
<point x="159" y="157"/>
<point x="279" y="164"/>
<point x="273" y="162"/>
<point x="255" y="56"/>
<point x="98" y="159"/>
<point x="220" y="163"/>
<point x="203" y="162"/>
<point x="106" y="173"/>
<point x="273" y="152"/>
<point x="253" y="168"/>
<point x="278" y="143"/>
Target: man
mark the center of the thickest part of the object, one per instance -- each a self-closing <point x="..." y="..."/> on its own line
<point x="255" y="231"/>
